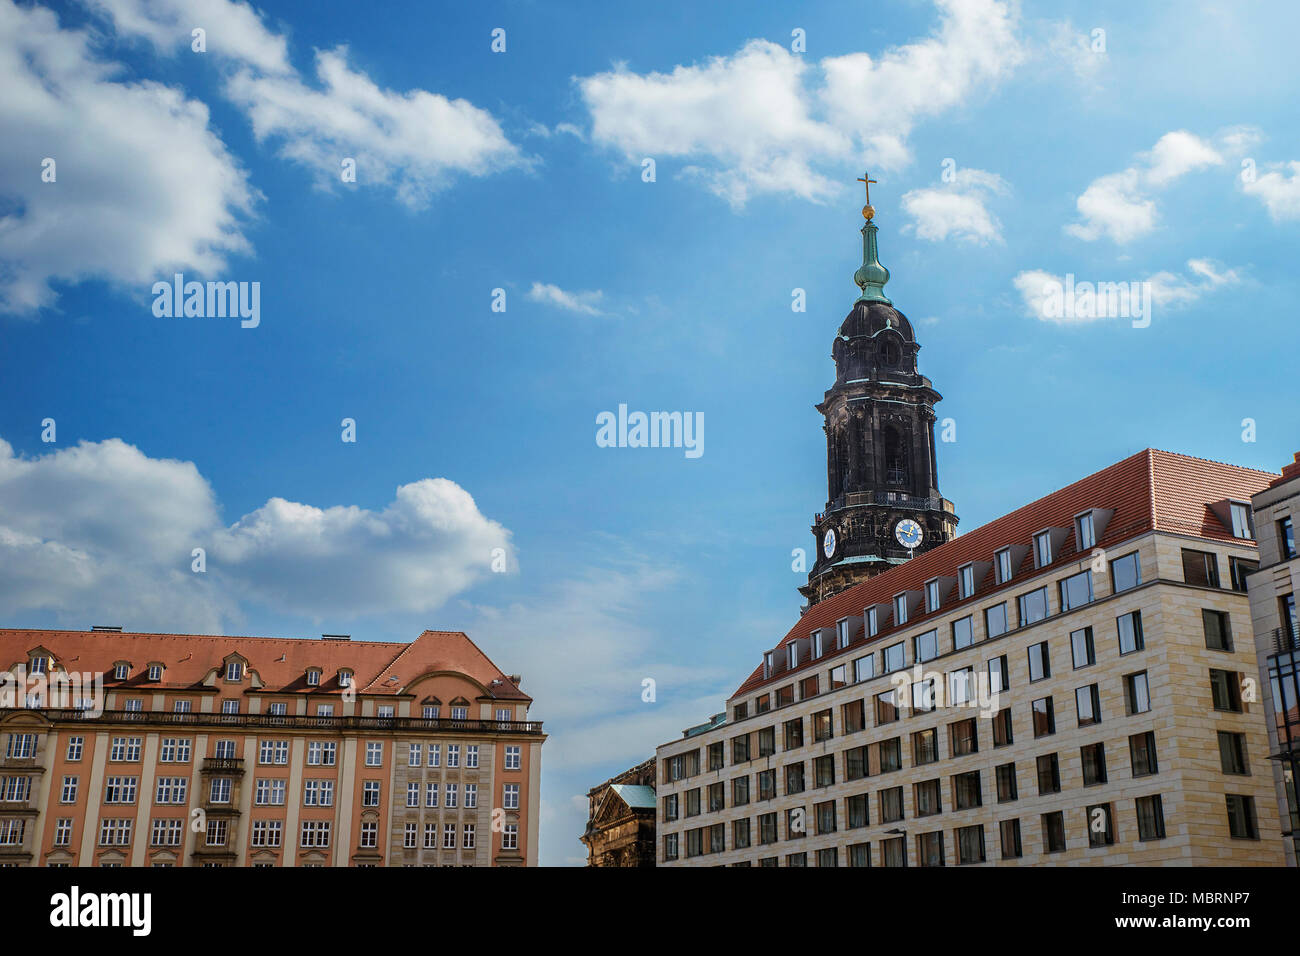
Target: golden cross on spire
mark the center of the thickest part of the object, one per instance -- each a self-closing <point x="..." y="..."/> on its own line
<point x="868" y="211"/>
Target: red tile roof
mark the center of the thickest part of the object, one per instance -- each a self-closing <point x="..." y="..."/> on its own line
<point x="280" y="663"/>
<point x="1151" y="490"/>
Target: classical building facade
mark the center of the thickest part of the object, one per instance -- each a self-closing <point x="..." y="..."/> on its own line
<point x="621" y="819"/>
<point x="1072" y="683"/>
<point x="1277" y="637"/>
<point x="883" y="502"/>
<point x="127" y="749"/>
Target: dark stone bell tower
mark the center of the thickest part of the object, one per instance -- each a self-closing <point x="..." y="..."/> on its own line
<point x="883" y="502"/>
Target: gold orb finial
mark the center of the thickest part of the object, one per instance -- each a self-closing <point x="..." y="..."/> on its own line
<point x="868" y="211"/>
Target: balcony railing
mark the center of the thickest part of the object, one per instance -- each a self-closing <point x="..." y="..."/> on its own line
<point x="296" y="722"/>
<point x="895" y="498"/>
<point x="223" y="764"/>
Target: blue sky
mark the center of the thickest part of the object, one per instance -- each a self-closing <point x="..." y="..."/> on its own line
<point x="1170" y="157"/>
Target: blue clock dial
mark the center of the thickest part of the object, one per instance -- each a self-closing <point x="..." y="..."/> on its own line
<point x="828" y="543"/>
<point x="908" y="533"/>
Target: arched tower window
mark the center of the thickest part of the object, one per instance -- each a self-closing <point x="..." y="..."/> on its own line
<point x="897" y="471"/>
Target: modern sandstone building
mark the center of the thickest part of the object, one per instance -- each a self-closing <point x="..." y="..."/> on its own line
<point x="1277" y="637"/>
<point x="124" y="749"/>
<point x="1072" y="683"/>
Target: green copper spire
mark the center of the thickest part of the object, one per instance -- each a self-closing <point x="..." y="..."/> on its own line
<point x="871" y="275"/>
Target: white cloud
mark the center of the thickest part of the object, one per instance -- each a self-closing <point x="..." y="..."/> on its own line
<point x="957" y="208"/>
<point x="762" y="121"/>
<point x="101" y="529"/>
<point x="413" y="142"/>
<point x="1279" y="191"/>
<point x="1076" y="51"/>
<point x="143" y="184"/>
<point x="1121" y="206"/>
<point x="587" y="303"/>
<point x="1041" y="291"/>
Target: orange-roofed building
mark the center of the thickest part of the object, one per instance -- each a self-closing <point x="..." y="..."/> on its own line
<point x="128" y="749"/>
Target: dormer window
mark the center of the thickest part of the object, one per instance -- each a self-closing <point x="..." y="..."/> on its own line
<point x="873" y="621"/>
<point x="792" y="655"/>
<point x="900" y="609"/>
<point x="817" y="644"/>
<point x="842" y="632"/>
<point x="155" y="672"/>
<point x="1243" y="525"/>
<point x="39" y="665"/>
<point x="1004" y="565"/>
<point x="234" y="671"/>
<point x="1043" y="549"/>
<point x="932" y="595"/>
<point x="313" y="677"/>
<point x="345" y="678"/>
<point x="767" y="665"/>
<point x="966" y="580"/>
<point x="1085" y="531"/>
<point x="120" y="671"/>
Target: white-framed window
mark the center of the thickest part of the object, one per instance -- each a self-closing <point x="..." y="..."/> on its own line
<point x="467" y="837"/>
<point x="268" y="833"/>
<point x="272" y="752"/>
<point x="430" y="711"/>
<point x="63" y="831"/>
<point x="413" y="794"/>
<point x="219" y="790"/>
<point x="1085" y="531"/>
<point x="166" y="832"/>
<point x="321" y="753"/>
<point x="269" y="792"/>
<point x="171" y="790"/>
<point x="278" y="708"/>
<point x="370" y="793"/>
<point x="124" y="749"/>
<point x="471" y="756"/>
<point x="510" y="796"/>
<point x="408" y="836"/>
<point x="369" y="833"/>
<point x="155" y="672"/>
<point x="345" y="678"/>
<point x="453" y="755"/>
<point x="966" y="580"/>
<point x="459" y="713"/>
<point x="115" y="832"/>
<point x="471" y="796"/>
<point x="864" y="668"/>
<point x="315" y="833"/>
<point x="385" y="711"/>
<point x="230" y="706"/>
<point x="313" y="677"/>
<point x="449" y="836"/>
<point x="324" y="710"/>
<point x="510" y="836"/>
<point x="513" y="752"/>
<point x="900" y="609"/>
<point x="234" y="670"/>
<point x="182" y="706"/>
<point x="504" y="714"/>
<point x="1243" y="524"/>
<point x="216" y="833"/>
<point x="38" y="665"/>
<point x="431" y="795"/>
<point x="431" y="836"/>
<point x="75" y="745"/>
<point x="121" y="671"/>
<point x="21" y="745"/>
<point x="68" y="792"/>
<point x="414" y="754"/>
<point x="15" y="789"/>
<point x="1043" y="549"/>
<point x="11" y="832"/>
<point x="451" y="800"/>
<point x="318" y="793"/>
<point x="1003" y="558"/>
<point x="374" y="753"/>
<point x="435" y="755"/>
<point x="134" y="705"/>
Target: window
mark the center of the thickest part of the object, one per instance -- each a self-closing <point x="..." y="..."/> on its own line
<point x="510" y="797"/>
<point x="856" y="763"/>
<point x="234" y="670"/>
<point x="824" y="813"/>
<point x="767" y="740"/>
<point x="272" y="752"/>
<point x="970" y="844"/>
<point x="323" y="753"/>
<point x="1054" y="832"/>
<point x="822" y="729"/>
<point x="172" y="790"/>
<point x="1137" y="696"/>
<point x="816" y="644"/>
<point x="1049" y="774"/>
<point x="1232" y="752"/>
<point x="839" y="677"/>
<point x="24" y="745"/>
<point x="1004" y="565"/>
<point x="893" y="657"/>
<point x="929" y="848"/>
<point x="1238" y="569"/>
<point x="998" y="674"/>
<point x="1286" y="538"/>
<point x="856" y="811"/>
<point x="375" y="754"/>
<point x="923" y="697"/>
<point x="926" y="646"/>
<point x="926" y="798"/>
<point x="962" y="734"/>
<point x="230" y="706"/>
<point x="890" y="754"/>
<point x="1225" y="688"/>
<point x="900" y="609"/>
<point x="965" y="581"/>
<point x="324" y="710"/>
<point x="1125" y="573"/>
<point x="1242" y="824"/>
<point x="739" y="791"/>
<point x="716" y="794"/>
<point x="766" y="829"/>
<point x="1040" y="663"/>
<point x="716" y="755"/>
<point x="452" y="796"/>
<point x="963" y="633"/>
<point x="1150" y="817"/>
<point x="891" y="805"/>
<point x="887" y="707"/>
<point x="1085" y="532"/>
<point x="995" y="620"/>
<point x="1101" y="828"/>
<point x="932" y="595"/>
<point x="74" y="747"/>
<point x="1006" y="781"/>
<point x="68" y="793"/>
<point x="864" y="668"/>
<point x="1087" y="704"/>
<point x="1009" y="837"/>
<point x="267" y="792"/>
<point x="925" y="746"/>
<point x="966" y="792"/>
<point x="1076" y="591"/>
<point x="1033" y="606"/>
<point x="318" y="793"/>
<point x="793" y="731"/>
<point x="1142" y="754"/>
<point x="17" y="789"/>
<point x="512" y="757"/>
<point x="893" y="852"/>
<point x="122" y="749"/>
<point x="174" y="750"/>
<point x="739" y="750"/>
<point x="120" y="671"/>
<point x="1201" y="567"/>
<point x="413" y="794"/>
<point x="1093" y="759"/>
<point x="1218" y="635"/>
<point x="854" y="716"/>
<point x="1044" y="717"/>
<point x="1042" y="549"/>
<point x="1243" y="523"/>
<point x="510" y="838"/>
<point x="766" y="784"/>
<point x="860" y="854"/>
<point x="1129" y="627"/>
<point x="1002" y="736"/>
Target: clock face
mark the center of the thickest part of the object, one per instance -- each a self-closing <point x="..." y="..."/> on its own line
<point x="908" y="533"/>
<point x="828" y="542"/>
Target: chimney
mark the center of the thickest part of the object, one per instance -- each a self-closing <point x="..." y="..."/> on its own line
<point x="108" y="628"/>
<point x="1292" y="470"/>
<point x="336" y="637"/>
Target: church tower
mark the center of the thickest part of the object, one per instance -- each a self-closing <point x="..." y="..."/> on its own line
<point x="883" y="502"/>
